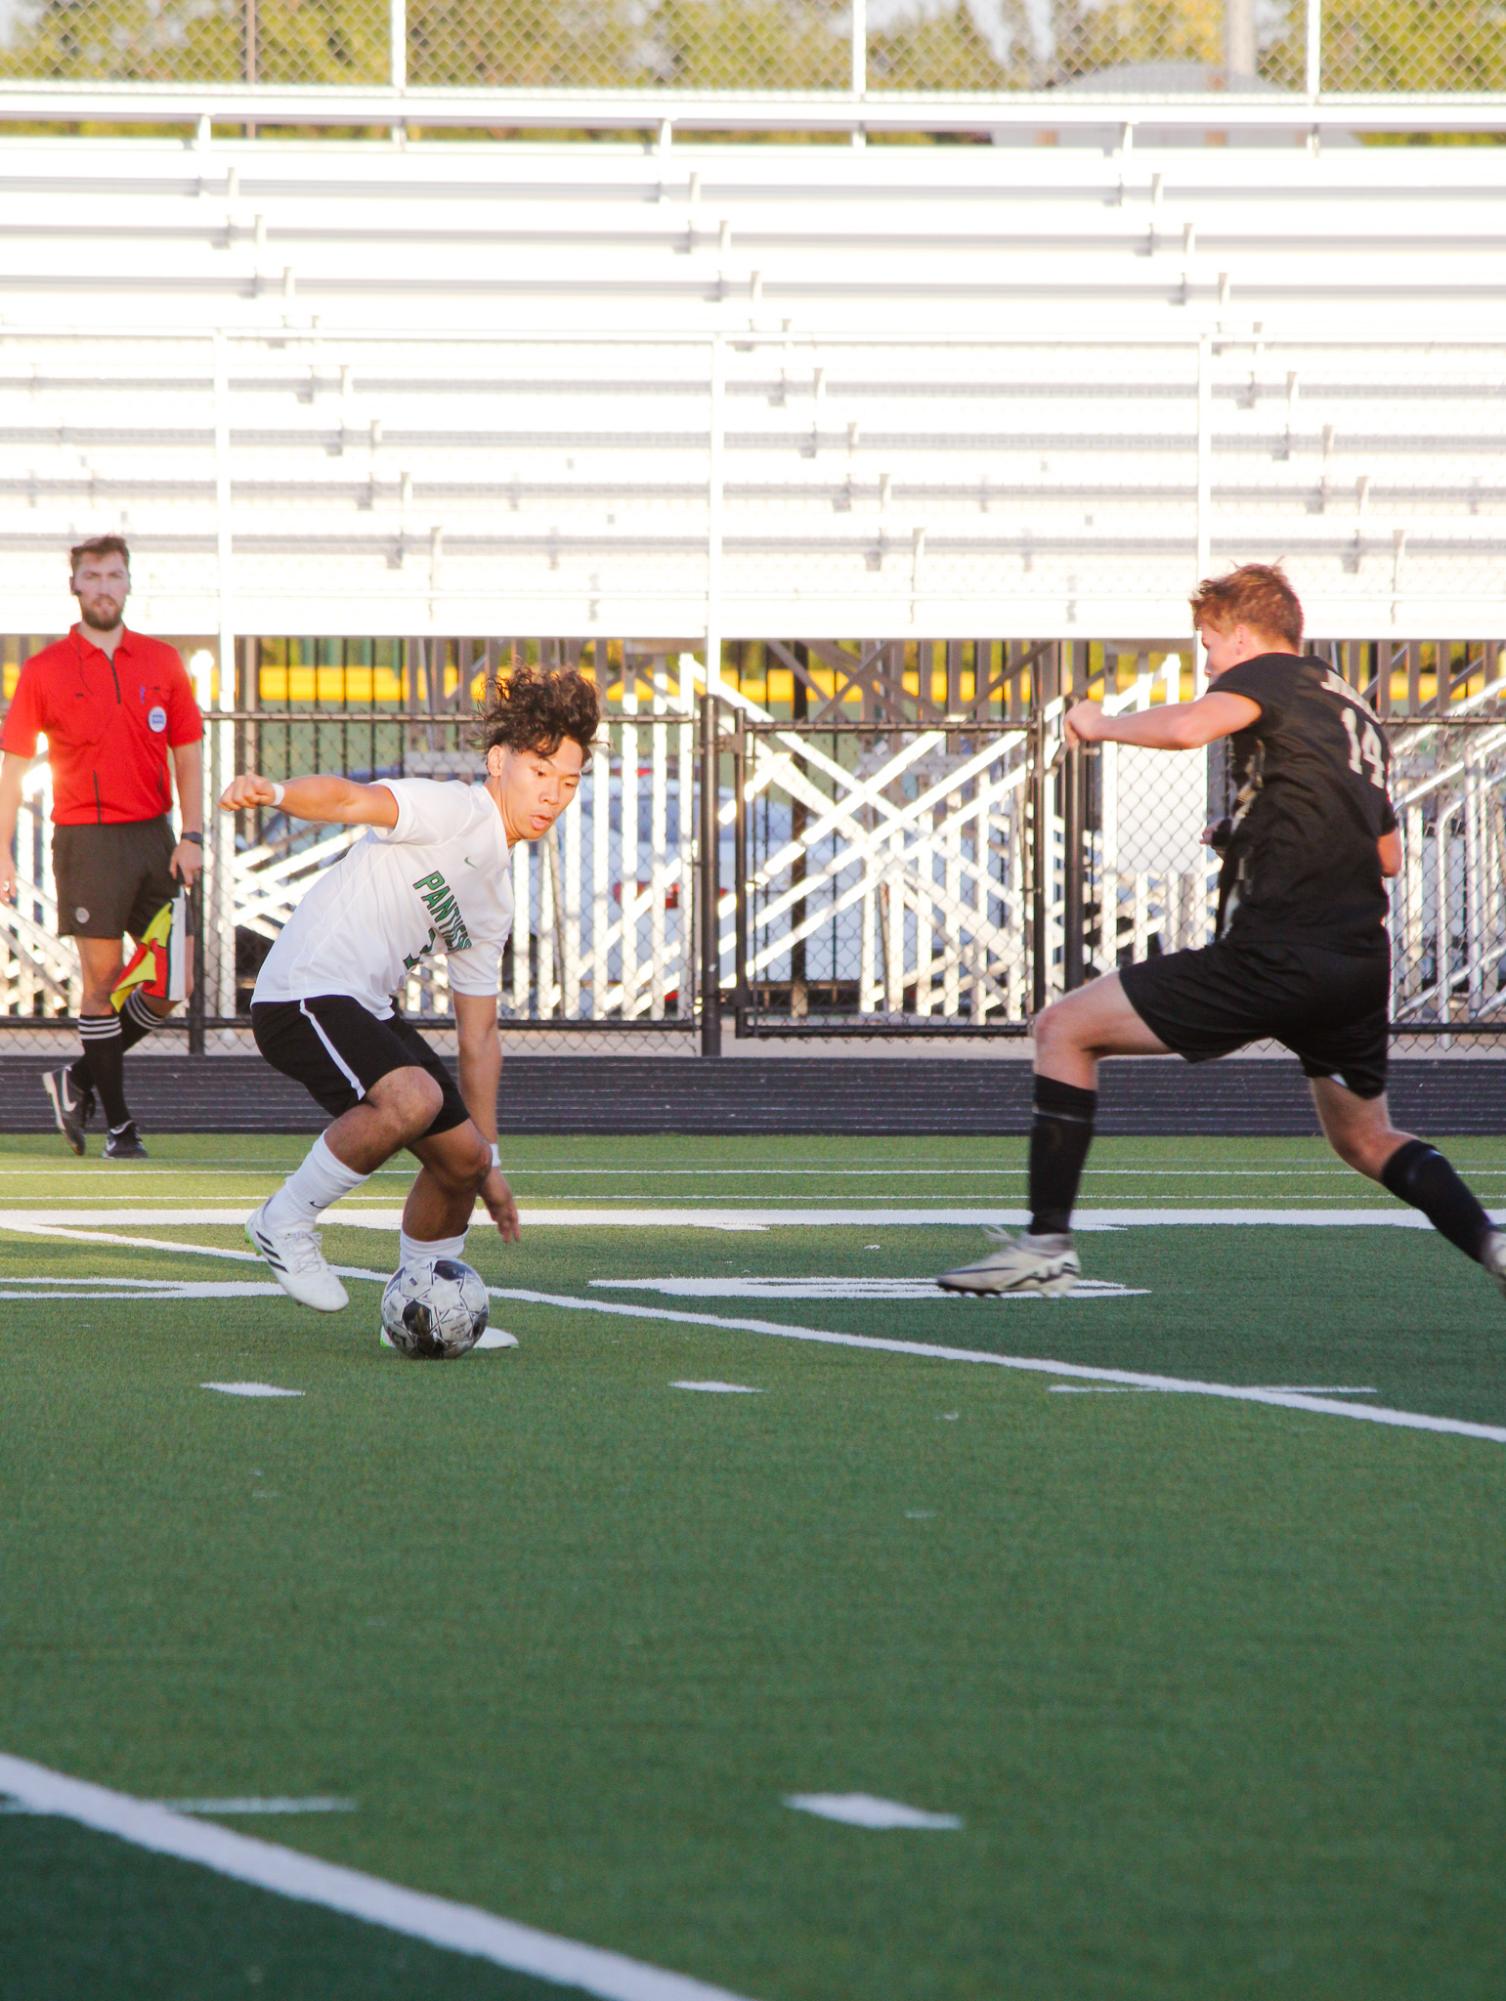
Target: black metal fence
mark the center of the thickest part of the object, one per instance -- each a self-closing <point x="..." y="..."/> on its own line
<point x="880" y="867"/>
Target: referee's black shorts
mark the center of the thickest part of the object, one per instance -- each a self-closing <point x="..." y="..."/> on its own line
<point x="112" y="877"/>
<point x="337" y="1049"/>
<point x="1331" y="1009"/>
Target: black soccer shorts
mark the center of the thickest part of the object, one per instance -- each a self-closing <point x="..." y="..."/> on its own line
<point x="337" y="1049"/>
<point x="112" y="877"/>
<point x="1331" y="1009"/>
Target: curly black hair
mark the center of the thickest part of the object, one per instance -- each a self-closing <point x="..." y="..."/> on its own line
<point x="533" y="708"/>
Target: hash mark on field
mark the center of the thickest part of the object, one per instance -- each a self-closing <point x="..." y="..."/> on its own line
<point x="864" y="1810"/>
<point x="250" y="1390"/>
<point x="721" y="1389"/>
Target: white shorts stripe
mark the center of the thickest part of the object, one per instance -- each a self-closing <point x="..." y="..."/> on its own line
<point x="334" y="1055"/>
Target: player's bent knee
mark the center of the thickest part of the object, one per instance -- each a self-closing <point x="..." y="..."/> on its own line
<point x="1047" y="1028"/>
<point x="410" y="1098"/>
<point x="458" y="1168"/>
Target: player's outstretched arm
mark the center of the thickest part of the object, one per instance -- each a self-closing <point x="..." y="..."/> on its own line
<point x="1177" y="726"/>
<point x="338" y="802"/>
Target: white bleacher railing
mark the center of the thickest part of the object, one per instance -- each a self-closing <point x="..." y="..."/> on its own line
<point x="747" y="485"/>
<point x="1110" y="117"/>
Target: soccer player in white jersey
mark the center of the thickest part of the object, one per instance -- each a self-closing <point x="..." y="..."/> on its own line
<point x="431" y="874"/>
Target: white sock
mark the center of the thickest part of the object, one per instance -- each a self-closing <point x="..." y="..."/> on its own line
<point x="409" y="1249"/>
<point x="320" y="1180"/>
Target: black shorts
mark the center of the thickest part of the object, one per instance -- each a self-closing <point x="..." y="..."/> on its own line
<point x="112" y="878"/>
<point x="1331" y="1009"/>
<point x="337" y="1049"/>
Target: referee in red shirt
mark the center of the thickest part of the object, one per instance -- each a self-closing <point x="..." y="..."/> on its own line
<point x="116" y="709"/>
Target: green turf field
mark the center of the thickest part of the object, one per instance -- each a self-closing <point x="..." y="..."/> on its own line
<point x="1202" y="1689"/>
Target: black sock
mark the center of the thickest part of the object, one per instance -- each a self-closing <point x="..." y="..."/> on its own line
<point x="105" y="1057"/>
<point x="1419" y="1174"/>
<point x="136" y="1020"/>
<point x="1060" y="1135"/>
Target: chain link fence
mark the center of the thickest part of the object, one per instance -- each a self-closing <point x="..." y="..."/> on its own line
<point x="1148" y="48"/>
<point x="823" y="848"/>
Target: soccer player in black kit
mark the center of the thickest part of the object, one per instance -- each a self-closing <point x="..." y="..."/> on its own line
<point x="1302" y="956"/>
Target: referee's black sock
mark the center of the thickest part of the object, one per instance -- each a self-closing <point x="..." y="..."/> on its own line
<point x="105" y="1053"/>
<point x="1060" y="1135"/>
<point x="1419" y="1174"/>
<point x="136" y="1020"/>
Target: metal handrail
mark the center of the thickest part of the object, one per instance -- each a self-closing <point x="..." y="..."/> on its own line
<point x="664" y="113"/>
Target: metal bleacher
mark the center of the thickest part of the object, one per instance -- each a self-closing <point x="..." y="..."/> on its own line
<point x="812" y="389"/>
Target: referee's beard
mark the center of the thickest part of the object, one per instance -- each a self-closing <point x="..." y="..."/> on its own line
<point x="97" y="617"/>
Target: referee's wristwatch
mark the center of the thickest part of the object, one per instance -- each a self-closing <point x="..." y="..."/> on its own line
<point x="197" y="839"/>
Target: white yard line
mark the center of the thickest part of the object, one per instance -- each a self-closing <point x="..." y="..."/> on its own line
<point x="780" y="1330"/>
<point x="1395" y="1218"/>
<point x="254" y="1175"/>
<point x="283" y="1871"/>
<point x="320" y="1804"/>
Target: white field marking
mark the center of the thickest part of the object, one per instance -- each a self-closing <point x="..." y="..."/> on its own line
<point x="1281" y="1389"/>
<point x="320" y="1803"/>
<point x="250" y="1390"/>
<point x="785" y="1331"/>
<point x="410" y="1913"/>
<point x="837" y="1172"/>
<point x="721" y="1389"/>
<point x="210" y="1807"/>
<point x="863" y="1810"/>
<point x="495" y="1337"/>
<point x="138" y="1288"/>
<point x="860" y="1290"/>
<point x="1086" y="1221"/>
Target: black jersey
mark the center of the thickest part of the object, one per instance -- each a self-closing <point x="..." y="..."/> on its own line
<point x="1311" y="805"/>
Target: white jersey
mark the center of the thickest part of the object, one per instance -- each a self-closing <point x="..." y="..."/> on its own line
<point x="437" y="881"/>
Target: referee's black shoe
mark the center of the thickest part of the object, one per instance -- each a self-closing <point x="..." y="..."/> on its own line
<point x="124" y="1143"/>
<point x="71" y="1107"/>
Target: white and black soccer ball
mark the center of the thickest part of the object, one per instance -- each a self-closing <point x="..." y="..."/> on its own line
<point x="434" y="1309"/>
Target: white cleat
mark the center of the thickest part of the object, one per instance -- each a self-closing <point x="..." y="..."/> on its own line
<point x="1047" y="1265"/>
<point x="297" y="1264"/>
<point x="1493" y="1257"/>
<point x="494" y="1337"/>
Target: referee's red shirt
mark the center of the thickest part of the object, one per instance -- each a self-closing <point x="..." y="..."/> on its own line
<point x="109" y="725"/>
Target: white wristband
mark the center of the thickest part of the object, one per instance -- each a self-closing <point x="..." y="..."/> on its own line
<point x="496" y="1155"/>
<point x="277" y="792"/>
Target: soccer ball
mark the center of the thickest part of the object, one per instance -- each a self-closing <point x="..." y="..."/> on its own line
<point x="434" y="1309"/>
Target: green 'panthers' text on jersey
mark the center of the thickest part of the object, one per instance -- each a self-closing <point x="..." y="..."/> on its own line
<point x="436" y="881"/>
<point x="1311" y="804"/>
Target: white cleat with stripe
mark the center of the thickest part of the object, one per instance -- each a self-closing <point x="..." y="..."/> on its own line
<point x="296" y="1262"/>
<point x="1047" y="1265"/>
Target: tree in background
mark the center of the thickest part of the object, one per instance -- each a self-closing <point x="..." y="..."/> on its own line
<point x="202" y="41"/>
<point x="1368" y="45"/>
